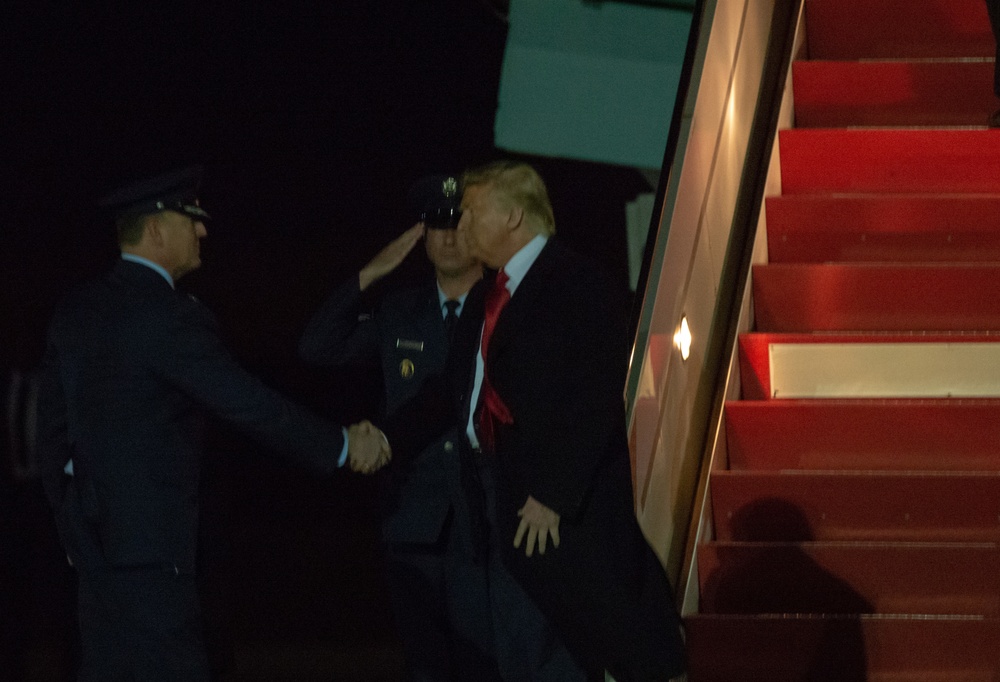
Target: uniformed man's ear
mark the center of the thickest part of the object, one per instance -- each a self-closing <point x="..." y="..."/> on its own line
<point x="154" y="229"/>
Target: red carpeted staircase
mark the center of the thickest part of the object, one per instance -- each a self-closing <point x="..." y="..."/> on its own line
<point x="857" y="517"/>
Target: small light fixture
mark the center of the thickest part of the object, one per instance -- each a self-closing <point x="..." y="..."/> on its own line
<point x="682" y="339"/>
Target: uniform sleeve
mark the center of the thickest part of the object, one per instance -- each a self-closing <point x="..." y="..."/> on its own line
<point x="341" y="332"/>
<point x="190" y="356"/>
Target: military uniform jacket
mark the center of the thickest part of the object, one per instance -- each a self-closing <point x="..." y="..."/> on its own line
<point x="407" y="335"/>
<point x="131" y="368"/>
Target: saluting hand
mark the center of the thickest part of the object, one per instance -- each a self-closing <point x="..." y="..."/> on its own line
<point x="389" y="258"/>
<point x="540" y="523"/>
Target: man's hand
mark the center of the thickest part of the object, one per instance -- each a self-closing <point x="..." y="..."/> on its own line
<point x="389" y="258"/>
<point x="367" y="449"/>
<point x="540" y="522"/>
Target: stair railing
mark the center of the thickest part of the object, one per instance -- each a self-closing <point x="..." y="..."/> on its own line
<point x="701" y="245"/>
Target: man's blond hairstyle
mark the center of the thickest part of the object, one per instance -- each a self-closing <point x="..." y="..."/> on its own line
<point x="516" y="184"/>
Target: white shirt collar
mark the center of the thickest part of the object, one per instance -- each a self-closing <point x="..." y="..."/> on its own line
<point x="519" y="264"/>
<point x="442" y="298"/>
<point x="150" y="264"/>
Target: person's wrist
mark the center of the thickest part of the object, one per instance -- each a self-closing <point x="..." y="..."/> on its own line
<point x="365" y="278"/>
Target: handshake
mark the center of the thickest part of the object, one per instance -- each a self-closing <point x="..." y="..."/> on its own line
<point x="367" y="448"/>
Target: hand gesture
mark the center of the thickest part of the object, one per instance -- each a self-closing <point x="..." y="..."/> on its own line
<point x="367" y="449"/>
<point x="540" y="522"/>
<point x="389" y="258"/>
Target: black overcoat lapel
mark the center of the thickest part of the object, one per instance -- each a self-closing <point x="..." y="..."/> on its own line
<point x="522" y="303"/>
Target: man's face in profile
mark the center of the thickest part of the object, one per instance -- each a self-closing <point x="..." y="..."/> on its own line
<point x="182" y="236"/>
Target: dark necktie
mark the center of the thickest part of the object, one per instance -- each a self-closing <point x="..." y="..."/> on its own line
<point x="451" y="317"/>
<point x="491" y="407"/>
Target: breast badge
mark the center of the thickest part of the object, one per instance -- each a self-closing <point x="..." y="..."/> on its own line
<point x="406" y="368"/>
<point x="409" y="344"/>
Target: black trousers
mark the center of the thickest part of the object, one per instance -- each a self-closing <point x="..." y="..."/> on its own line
<point x="140" y="625"/>
<point x="440" y="602"/>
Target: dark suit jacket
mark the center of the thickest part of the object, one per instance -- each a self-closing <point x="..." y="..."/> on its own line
<point x="406" y="333"/>
<point x="131" y="368"/>
<point x="557" y="359"/>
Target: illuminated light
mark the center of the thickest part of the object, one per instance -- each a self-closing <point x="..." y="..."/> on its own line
<point x="682" y="339"/>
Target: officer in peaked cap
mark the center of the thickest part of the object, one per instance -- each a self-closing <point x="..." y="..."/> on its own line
<point x="176" y="190"/>
<point x="438" y="589"/>
<point x="160" y="221"/>
<point x="131" y="371"/>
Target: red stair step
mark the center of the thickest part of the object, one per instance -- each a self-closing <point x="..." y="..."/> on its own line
<point x="827" y="509"/>
<point x="832" y="94"/>
<point x="939" y="435"/>
<point x="895" y="161"/>
<point x="723" y="648"/>
<point x="755" y="369"/>
<point x="867" y="297"/>
<point x="859" y="29"/>
<point x="900" y="227"/>
<point x="821" y="578"/>
<point x="765" y="506"/>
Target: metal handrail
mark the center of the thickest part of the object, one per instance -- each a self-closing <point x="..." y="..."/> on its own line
<point x="739" y="254"/>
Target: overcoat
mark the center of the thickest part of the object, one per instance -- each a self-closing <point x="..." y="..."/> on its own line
<point x="557" y="358"/>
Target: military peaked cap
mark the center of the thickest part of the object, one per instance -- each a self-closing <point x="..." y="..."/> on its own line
<point x="434" y="200"/>
<point x="173" y="191"/>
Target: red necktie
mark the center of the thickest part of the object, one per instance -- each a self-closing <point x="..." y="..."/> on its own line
<point x="491" y="406"/>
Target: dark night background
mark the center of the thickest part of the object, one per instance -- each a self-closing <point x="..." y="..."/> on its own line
<point x="311" y="122"/>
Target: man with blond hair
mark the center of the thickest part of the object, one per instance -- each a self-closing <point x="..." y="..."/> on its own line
<point x="575" y="588"/>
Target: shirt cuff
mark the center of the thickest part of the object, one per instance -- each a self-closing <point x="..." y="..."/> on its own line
<point x="343" y="453"/>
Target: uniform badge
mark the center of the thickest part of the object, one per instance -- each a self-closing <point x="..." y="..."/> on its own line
<point x="406" y="368"/>
<point x="449" y="187"/>
<point x="408" y="344"/>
